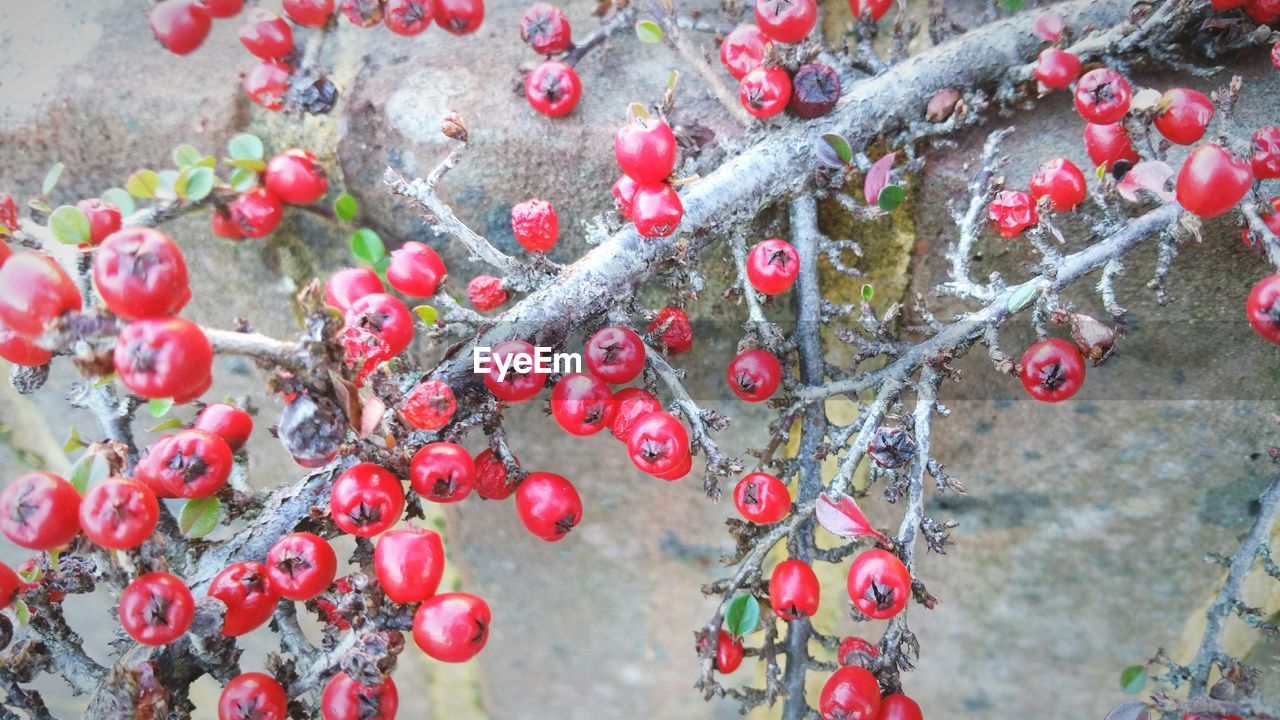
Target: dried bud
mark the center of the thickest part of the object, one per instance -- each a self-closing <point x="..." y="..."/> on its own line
<point x="942" y="105"/>
<point x="1095" y="339"/>
<point x="891" y="447"/>
<point x="311" y="430"/>
<point x="453" y="127"/>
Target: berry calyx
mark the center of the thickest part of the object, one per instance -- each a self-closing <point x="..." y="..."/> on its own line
<point x="582" y="404"/>
<point x="1102" y="96"/>
<point x="452" y="627"/>
<point x="762" y="498"/>
<point x="363" y="13"/>
<point x="674" y="330"/>
<point x="140" y="273"/>
<point x="428" y="406"/>
<point x="408" y="17"/>
<point x="1110" y="147"/>
<point x="1057" y="69"/>
<point x="34" y="289"/>
<point x="856" y="651"/>
<point x="1184" y="115"/>
<point x="773" y="266"/>
<point x="458" y="17"/>
<point x="188" y="463"/>
<point x="267" y="83"/>
<point x="743" y="50"/>
<point x="879" y="584"/>
<point x="549" y="506"/>
<point x="246" y="590"/>
<point x="350" y="284"/>
<point x="366" y="500"/>
<point x="409" y="564"/>
<point x="295" y="177"/>
<point x="1011" y="212"/>
<point x="899" y="707"/>
<point x="754" y="375"/>
<point x="492" y="477"/>
<point x="39" y="511"/>
<point x="1052" y="370"/>
<point x="253" y="696"/>
<point x="645" y="149"/>
<point x="311" y="13"/>
<point x="1265" y="161"/>
<point x="104" y="218"/>
<point x="815" y="90"/>
<point x="633" y="404"/>
<point x="851" y="693"/>
<point x="156" y="609"/>
<point x="535" y="225"/>
<point x="486" y="293"/>
<point x="301" y="565"/>
<point x="266" y="35"/>
<point x="119" y="513"/>
<point x="257" y="212"/>
<point x="1062" y="182"/>
<point x="786" y="21"/>
<point x="416" y="270"/>
<point x="226" y="421"/>
<point x="793" y="590"/>
<point x="346" y="699"/>
<point x="1212" y="180"/>
<point x="553" y="89"/>
<point x="765" y="91"/>
<point x="656" y="210"/>
<point x="163" y="358"/>
<point x="442" y="472"/>
<point x="546" y="29"/>
<point x="658" y="443"/>
<point x="522" y="380"/>
<point x="180" y="25"/>
<point x="615" y="354"/>
<point x="1263" y="308"/>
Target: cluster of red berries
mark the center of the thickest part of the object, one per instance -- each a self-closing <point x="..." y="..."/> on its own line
<point x="553" y="88"/>
<point x="537" y="228"/>
<point x="766" y="90"/>
<point x="292" y="177"/>
<point x="646" y="152"/>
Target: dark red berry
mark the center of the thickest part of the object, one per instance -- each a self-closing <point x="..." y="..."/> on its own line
<point x="408" y="17"/>
<point x="156" y="609"/>
<point x="656" y="210"/>
<point x="851" y="693"/>
<point x="765" y="91"/>
<point x="633" y="404"/>
<point x="253" y="696"/>
<point x="548" y="505"/>
<point x="1184" y="115"/>
<point x="1052" y="370"/>
<point x="346" y="699"/>
<point x="1062" y="181"/>
<point x="1056" y="68"/>
<point x="815" y="90"/>
<point x="535" y="225"/>
<point x="119" y="513"/>
<point x="363" y="13"/>
<point x="1102" y="96"/>
<point x="762" y="498"/>
<point x="295" y="177"/>
<point x="793" y="590"/>
<point x="522" y="380"/>
<point x="773" y="266"/>
<point x="1265" y="160"/>
<point x="658" y="443"/>
<point x="754" y="375"/>
<point x="312" y="13"/>
<point x="257" y="212"/>
<point x="416" y="270"/>
<point x="188" y="463"/>
<point x="226" y="421"/>
<point x="786" y="21"/>
<point x="674" y="330"/>
<point x="1011" y="212"/>
<point x="267" y="83"/>
<point x="1109" y="146"/>
<point x="492" y="477"/>
<point x="1263" y="308"/>
<point x="428" y="406"/>
<point x="486" y="293"/>
<point x="140" y="273"/>
<point x="350" y="284"/>
<point x="409" y="564"/>
<point x="645" y="149"/>
<point x="34" y="289"/>
<point x="582" y="404"/>
<point x="1212" y="180"/>
<point x="442" y="472"/>
<point x="743" y="50"/>
<point x="301" y="565"/>
<point x="164" y="358"/>
<point x="104" y="218"/>
<point x="39" y="511"/>
<point x="458" y="17"/>
<point x="180" y="25"/>
<point x="267" y="35"/>
<point x="452" y="627"/>
<point x="366" y="500"/>
<point x="615" y="354"/>
<point x="546" y="28"/>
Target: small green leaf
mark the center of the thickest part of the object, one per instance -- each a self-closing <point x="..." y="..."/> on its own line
<point x="39" y="206"/>
<point x="367" y="246"/>
<point x="649" y="31"/>
<point x="1100" y="171"/>
<point x="69" y="225"/>
<point x="381" y="266"/>
<point x="1012" y="5"/>
<point x="427" y="314"/>
<point x="90" y="468"/>
<point x="253" y="164"/>
<point x="891" y="197"/>
<point x="245" y="146"/>
<point x="185" y="156"/>
<point x="170" y="424"/>
<point x="73" y="442"/>
<point x="742" y="616"/>
<point x="1022" y="296"/>
<point x="200" y="516"/>
<point x="143" y="184"/>
<point x="195" y="183"/>
<point x="22" y="611"/>
<point x="1133" y="679"/>
<point x="51" y="178"/>
<point x="346" y="207"/>
<point x="120" y="199"/>
<point x="243" y="179"/>
<point x="159" y="407"/>
<point x="868" y="291"/>
<point x="843" y="150"/>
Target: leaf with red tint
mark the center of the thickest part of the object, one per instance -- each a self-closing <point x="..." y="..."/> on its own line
<point x="878" y="177"/>
<point x="844" y="518"/>
<point x="1152" y="175"/>
<point x="1048" y="27"/>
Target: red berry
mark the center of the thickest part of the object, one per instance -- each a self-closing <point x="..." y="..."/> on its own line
<point x="645" y="149"/>
<point x="1212" y="181"/>
<point x="164" y="358"/>
<point x="1271" y="219"/>
<point x="522" y="380"/>
<point x="380" y="326"/>
<point x="21" y="350"/>
<point x="553" y="89"/>
<point x="312" y="13"/>
<point x="442" y="472"/>
<point x="104" y="218"/>
<point x="222" y="8"/>
<point x="1057" y="69"/>
<point x="743" y="50"/>
<point x="39" y="511"/>
<point x="548" y="505"/>
<point x="458" y="17"/>
<point x="416" y="270"/>
<point x="9" y="584"/>
<point x="633" y="404"/>
<point x="408" y="17"/>
<point x="877" y="8"/>
<point x="773" y="266"/>
<point x="267" y="83"/>
<point x="223" y="225"/>
<point x="546" y="29"/>
<point x="1263" y="308"/>
<point x="365" y="500"/>
<point x="1102" y="96"/>
<point x="615" y="354"/>
<point x="228" y="422"/>
<point x="793" y="590"/>
<point x="1184" y="115"/>
<point x="156" y="609"/>
<point x="1266" y="12"/>
<point x="879" y="584"/>
<point x="409" y="564"/>
<point x="140" y="273"/>
<point x="491" y="477"/>
<point x="1062" y="181"/>
<point x="452" y="627"/>
<point x="188" y="463"/>
<point x="428" y="406"/>
<point x="1052" y="370"/>
<point x="253" y="696"/>
<point x="786" y="21"/>
<point x="899" y="707"/>
<point x="535" y="225"/>
<point x="762" y="498"/>
<point x="1011" y="212"/>
<point x="1266" y="152"/>
<point x="301" y="565"/>
<point x="295" y="177"/>
<point x="1109" y="145"/>
<point x="676" y="332"/>
<point x="582" y="404"/>
<point x="486" y="293"/>
<point x="856" y="651"/>
<point x="658" y="443"/>
<point x="728" y="653"/>
<point x="346" y="699"/>
<point x="656" y="210"/>
<point x="119" y="513"/>
<point x="624" y="189"/>
<point x="765" y="91"/>
<point x="180" y="25"/>
<point x="754" y="375"/>
<point x="815" y="90"/>
<point x="851" y="693"/>
<point x="246" y="590"/>
<point x="34" y="289"/>
<point x="266" y="35"/>
<point x="257" y="212"/>
<point x="8" y="217"/>
<point x="350" y="284"/>
<point x="363" y="13"/>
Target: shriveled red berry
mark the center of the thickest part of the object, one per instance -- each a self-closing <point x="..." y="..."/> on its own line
<point x="1062" y="182"/>
<point x="246" y="590"/>
<point x="645" y="149"/>
<point x="658" y="443"/>
<point x="1102" y="96"/>
<point x="793" y="590"/>
<point x="876" y="8"/>
<point x="346" y="699"/>
<point x="786" y="21"/>
<point x="312" y="13"/>
<point x="188" y="463"/>
<point x="522" y="379"/>
<point x="548" y="505"/>
<point x="104" y="218"/>
<point x="815" y="90"/>
<point x="743" y="50"/>
<point x="301" y="565"/>
<point x="156" y="609"/>
<point x="1265" y="160"/>
<point x="226" y="421"/>
<point x="452" y="627"/>
<point x="266" y="35"/>
<point x="546" y="29"/>
<point x="492" y="481"/>
<point x="409" y="564"/>
<point x="1052" y="370"/>
<point x="267" y="83"/>
<point x="428" y="406"/>
<point x="119" y="513"/>
<point x="140" y="273"/>
<point x="762" y="498"/>
<point x="295" y="177"/>
<point x="1109" y="146"/>
<point x="1184" y="115"/>
<point x="34" y="289"/>
<point x="1263" y="308"/>
<point x="253" y="696"/>
<point x="486" y="293"/>
<point x="416" y="270"/>
<point x="180" y="25"/>
<point x="535" y="225"/>
<point x="553" y="89"/>
<point x="164" y="358"/>
<point x="39" y="511"/>
<point x="458" y="17"/>
<point x="366" y="500"/>
<point x="773" y="266"/>
<point x="22" y="350"/>
<point x="879" y="584"/>
<point x="754" y="375"/>
<point x="615" y="354"/>
<point x="442" y="472"/>
<point x="899" y="707"/>
<point x="1212" y="181"/>
<point x="350" y="284"/>
<point x="257" y="212"/>
<point x="408" y="17"/>
<point x="633" y="404"/>
<point x="363" y="13"/>
<point x="674" y="330"/>
<point x="765" y="91"/>
<point x="1056" y="68"/>
<point x="856" y="651"/>
<point x="378" y="328"/>
<point x="656" y="210"/>
<point x="851" y="693"/>
<point x="1011" y="212"/>
<point x="624" y="189"/>
<point x="582" y="404"/>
